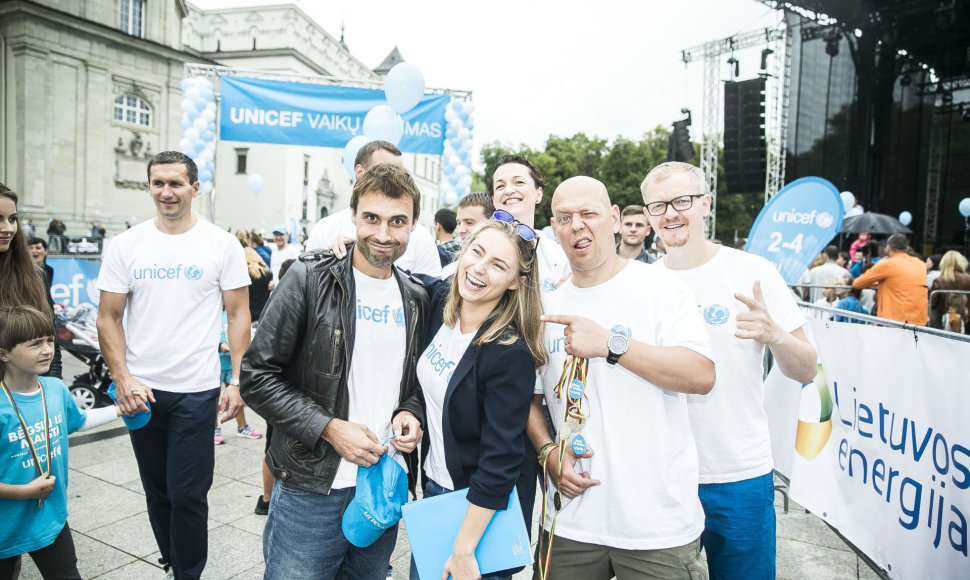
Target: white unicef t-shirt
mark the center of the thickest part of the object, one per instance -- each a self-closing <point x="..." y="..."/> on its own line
<point x="730" y="426"/>
<point x="435" y="368"/>
<point x="420" y="257"/>
<point x="174" y="285"/>
<point x="374" y="378"/>
<point x="644" y="453"/>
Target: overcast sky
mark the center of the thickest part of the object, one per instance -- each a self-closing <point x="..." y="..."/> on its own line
<point x="541" y="67"/>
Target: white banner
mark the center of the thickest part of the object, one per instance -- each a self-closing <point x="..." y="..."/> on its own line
<point x="879" y="445"/>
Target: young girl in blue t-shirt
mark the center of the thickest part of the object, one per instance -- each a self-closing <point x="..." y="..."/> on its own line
<point x="36" y="415"/>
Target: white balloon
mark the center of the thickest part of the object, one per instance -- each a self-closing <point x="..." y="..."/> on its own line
<point x="191" y="134"/>
<point x="451" y="198"/>
<point x="456" y="124"/>
<point x="184" y="144"/>
<point x="381" y="122"/>
<point x="193" y="94"/>
<point x="464" y="133"/>
<point x="208" y="115"/>
<point x="848" y="200"/>
<point x="255" y="183"/>
<point x="454" y="161"/>
<point x="201" y="83"/>
<point x="461" y="170"/>
<point x="205" y="188"/>
<point x="469" y="107"/>
<point x="465" y="180"/>
<point x="188" y="105"/>
<point x="199" y="124"/>
<point x="450" y="115"/>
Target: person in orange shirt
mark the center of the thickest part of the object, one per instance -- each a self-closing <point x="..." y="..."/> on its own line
<point x="901" y="294"/>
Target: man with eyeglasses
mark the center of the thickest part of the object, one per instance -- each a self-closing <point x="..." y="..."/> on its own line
<point x="626" y="345"/>
<point x="746" y="306"/>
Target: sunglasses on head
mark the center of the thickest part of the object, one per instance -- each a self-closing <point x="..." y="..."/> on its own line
<point x="525" y="232"/>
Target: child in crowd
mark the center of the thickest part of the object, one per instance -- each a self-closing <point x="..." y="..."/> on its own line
<point x="242" y="427"/>
<point x="850" y="301"/>
<point x="956" y="313"/>
<point x="829" y="299"/>
<point x="36" y="415"/>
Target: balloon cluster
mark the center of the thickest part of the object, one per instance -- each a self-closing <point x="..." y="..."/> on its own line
<point x="457" y="153"/>
<point x="403" y="89"/>
<point x="199" y="127"/>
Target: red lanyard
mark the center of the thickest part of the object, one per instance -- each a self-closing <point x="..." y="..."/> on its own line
<point x="30" y="442"/>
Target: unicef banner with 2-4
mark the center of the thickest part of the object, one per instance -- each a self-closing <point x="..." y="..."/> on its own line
<point x="796" y="225"/>
<point x="878" y="445"/>
<point x="75" y="281"/>
<point x="288" y="113"/>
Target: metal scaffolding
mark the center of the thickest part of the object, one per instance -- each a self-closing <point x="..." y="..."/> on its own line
<point x="778" y="73"/>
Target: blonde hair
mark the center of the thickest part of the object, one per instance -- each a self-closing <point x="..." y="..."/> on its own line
<point x="665" y="170"/>
<point x="257" y="267"/>
<point x="244" y="238"/>
<point x="517" y="312"/>
<point x="953" y="261"/>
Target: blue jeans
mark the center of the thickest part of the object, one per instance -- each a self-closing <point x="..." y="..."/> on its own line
<point x="739" y="528"/>
<point x="432" y="489"/>
<point x="303" y="538"/>
<point x="176" y="456"/>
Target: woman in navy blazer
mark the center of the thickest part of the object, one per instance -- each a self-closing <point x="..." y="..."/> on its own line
<point x="477" y="373"/>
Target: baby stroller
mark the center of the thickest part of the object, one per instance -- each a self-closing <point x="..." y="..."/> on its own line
<point x="77" y="334"/>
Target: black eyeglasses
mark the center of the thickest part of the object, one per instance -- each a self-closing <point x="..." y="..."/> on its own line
<point x="528" y="234"/>
<point x="682" y="203"/>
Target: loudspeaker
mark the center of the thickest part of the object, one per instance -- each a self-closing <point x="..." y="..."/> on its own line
<point x="745" y="154"/>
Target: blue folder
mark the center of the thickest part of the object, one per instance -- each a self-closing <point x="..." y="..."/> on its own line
<point x="432" y="525"/>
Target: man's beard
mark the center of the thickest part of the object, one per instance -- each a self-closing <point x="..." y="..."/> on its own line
<point x="380" y="260"/>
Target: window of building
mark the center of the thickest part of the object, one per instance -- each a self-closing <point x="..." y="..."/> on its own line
<point x="241" y="161"/>
<point x="132" y="12"/>
<point x="131" y="109"/>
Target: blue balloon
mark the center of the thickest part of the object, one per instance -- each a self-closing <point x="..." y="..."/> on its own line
<point x="208" y="95"/>
<point x="905" y="218"/>
<point x="205" y="175"/>
<point x="200" y="105"/>
<point x="350" y="153"/>
<point x="185" y="84"/>
<point x="207" y="135"/>
<point x="186" y="123"/>
<point x="964" y="207"/>
<point x="404" y="87"/>
<point x="382" y="122"/>
<point x="450" y="132"/>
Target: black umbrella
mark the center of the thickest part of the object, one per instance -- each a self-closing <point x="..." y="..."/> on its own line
<point x="874" y="223"/>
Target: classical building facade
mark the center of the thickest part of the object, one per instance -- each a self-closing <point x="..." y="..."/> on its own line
<point x="90" y="90"/>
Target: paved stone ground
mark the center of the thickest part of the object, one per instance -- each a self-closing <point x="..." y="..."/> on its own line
<point x="114" y="540"/>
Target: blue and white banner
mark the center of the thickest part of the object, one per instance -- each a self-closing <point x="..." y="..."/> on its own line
<point x="796" y="225"/>
<point x="288" y="113"/>
<point x="878" y="445"/>
<point x="75" y="281"/>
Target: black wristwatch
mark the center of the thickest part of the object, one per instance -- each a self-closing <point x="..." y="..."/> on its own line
<point x="617" y="345"/>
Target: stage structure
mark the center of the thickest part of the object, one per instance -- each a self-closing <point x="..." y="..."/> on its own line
<point x="323" y="111"/>
<point x="776" y="70"/>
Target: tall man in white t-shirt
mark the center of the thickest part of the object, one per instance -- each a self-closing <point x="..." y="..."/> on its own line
<point x="634" y="510"/>
<point x="746" y="306"/>
<point x="421" y="255"/>
<point x="172" y="276"/>
<point x="516" y="187"/>
<point x="332" y="367"/>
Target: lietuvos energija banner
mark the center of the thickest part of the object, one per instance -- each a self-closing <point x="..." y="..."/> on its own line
<point x="879" y="445"/>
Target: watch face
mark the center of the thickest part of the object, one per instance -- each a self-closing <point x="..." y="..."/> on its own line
<point x="618" y="344"/>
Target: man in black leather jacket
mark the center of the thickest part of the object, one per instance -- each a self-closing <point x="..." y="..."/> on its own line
<point x="332" y="367"/>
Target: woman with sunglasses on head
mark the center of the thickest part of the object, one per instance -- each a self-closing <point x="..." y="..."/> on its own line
<point x="22" y="282"/>
<point x="478" y="374"/>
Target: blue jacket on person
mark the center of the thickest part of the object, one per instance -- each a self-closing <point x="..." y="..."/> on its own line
<point x="485" y="412"/>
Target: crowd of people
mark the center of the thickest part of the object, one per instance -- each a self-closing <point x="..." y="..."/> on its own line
<point x="621" y="386"/>
<point x="890" y="280"/>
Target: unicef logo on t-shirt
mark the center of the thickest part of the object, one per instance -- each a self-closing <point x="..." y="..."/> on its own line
<point x="715" y="314"/>
<point x="548" y="285"/>
<point x="621" y="329"/>
<point x="398" y="316"/>
<point x="193" y="272"/>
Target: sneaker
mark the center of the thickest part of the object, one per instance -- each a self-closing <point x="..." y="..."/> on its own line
<point x="248" y="432"/>
<point x="169" y="573"/>
<point x="219" y="439"/>
<point x="390" y="572"/>
<point x="262" y="507"/>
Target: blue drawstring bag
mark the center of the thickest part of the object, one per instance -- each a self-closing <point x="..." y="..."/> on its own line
<point x="137" y="421"/>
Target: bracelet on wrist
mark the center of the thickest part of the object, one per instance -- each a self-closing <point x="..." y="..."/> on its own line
<point x="544" y="451"/>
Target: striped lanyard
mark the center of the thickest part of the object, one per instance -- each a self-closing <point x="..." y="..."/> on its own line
<point x="30" y="442"/>
<point x="572" y="383"/>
